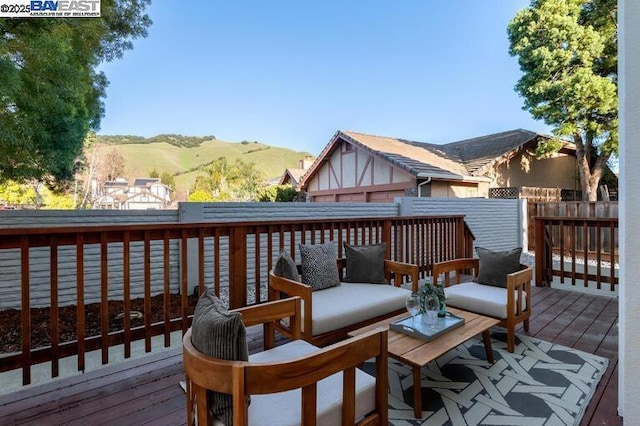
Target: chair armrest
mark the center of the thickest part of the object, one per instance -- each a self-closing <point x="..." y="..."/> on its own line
<point x="522" y="278"/>
<point x="271" y="311"/>
<point x="455" y="265"/>
<point x="289" y="287"/>
<point x="278" y="284"/>
<point x="401" y="269"/>
<point x="518" y="283"/>
<point x="269" y="314"/>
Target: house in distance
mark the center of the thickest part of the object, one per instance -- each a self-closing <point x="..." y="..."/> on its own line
<point x="143" y="194"/>
<point x="294" y="177"/>
<point x="356" y="167"/>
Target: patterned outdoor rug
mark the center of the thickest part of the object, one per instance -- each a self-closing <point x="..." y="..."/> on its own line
<point x="541" y="383"/>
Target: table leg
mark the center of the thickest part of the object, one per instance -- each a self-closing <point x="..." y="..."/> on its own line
<point x="417" y="393"/>
<point x="486" y="336"/>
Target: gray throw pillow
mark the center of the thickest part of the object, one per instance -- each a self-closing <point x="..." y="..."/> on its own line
<point x="286" y="267"/>
<point x="365" y="264"/>
<point x="496" y="265"/>
<point x="319" y="265"/>
<point x="221" y="334"/>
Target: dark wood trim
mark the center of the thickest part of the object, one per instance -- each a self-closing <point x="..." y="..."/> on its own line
<point x="367" y="166"/>
<point x="370" y="188"/>
<point x="332" y="172"/>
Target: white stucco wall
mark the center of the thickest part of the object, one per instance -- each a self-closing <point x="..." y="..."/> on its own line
<point x="629" y="296"/>
<point x="524" y="169"/>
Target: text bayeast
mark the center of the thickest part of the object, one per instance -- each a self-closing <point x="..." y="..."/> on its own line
<point x="65" y="6"/>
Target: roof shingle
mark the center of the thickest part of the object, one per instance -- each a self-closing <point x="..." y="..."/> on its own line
<point x="468" y="157"/>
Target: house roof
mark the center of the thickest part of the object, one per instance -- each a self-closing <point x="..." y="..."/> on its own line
<point x="409" y="155"/>
<point x="465" y="159"/>
<point x="145" y="181"/>
<point x="116" y="183"/>
<point x="478" y="153"/>
<point x="294" y="174"/>
<point x="132" y="198"/>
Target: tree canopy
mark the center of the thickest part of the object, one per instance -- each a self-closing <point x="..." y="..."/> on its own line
<point x="50" y="89"/>
<point x="567" y="51"/>
<point x="277" y="193"/>
<point x="224" y="181"/>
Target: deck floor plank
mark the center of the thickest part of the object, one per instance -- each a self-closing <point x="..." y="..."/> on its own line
<point x="90" y="391"/>
<point x="147" y="391"/>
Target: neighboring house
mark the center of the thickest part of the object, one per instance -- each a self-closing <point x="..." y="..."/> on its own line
<point x="365" y="168"/>
<point x="144" y="194"/>
<point x="153" y="186"/>
<point x="293" y="177"/>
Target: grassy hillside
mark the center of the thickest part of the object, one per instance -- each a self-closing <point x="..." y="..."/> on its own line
<point x="171" y="155"/>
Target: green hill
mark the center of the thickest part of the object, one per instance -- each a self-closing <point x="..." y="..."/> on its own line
<point x="185" y="156"/>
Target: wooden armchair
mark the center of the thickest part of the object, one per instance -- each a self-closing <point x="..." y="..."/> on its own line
<point x="511" y="305"/>
<point x="321" y="380"/>
<point x="352" y="305"/>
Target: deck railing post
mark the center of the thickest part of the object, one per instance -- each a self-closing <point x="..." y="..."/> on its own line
<point x="237" y="267"/>
<point x="541" y="256"/>
<point x="460" y="238"/>
<point x="192" y="263"/>
<point x="386" y="237"/>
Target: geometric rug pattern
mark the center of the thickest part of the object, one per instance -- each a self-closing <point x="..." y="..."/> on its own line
<point x="541" y="383"/>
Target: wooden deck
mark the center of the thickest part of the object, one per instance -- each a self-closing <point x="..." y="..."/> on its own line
<point x="146" y="390"/>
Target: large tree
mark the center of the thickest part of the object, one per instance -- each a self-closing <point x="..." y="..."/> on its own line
<point x="238" y="181"/>
<point x="567" y="51"/>
<point x="111" y="166"/>
<point x="50" y="89"/>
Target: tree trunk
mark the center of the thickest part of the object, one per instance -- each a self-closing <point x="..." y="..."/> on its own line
<point x="589" y="176"/>
<point x="591" y="194"/>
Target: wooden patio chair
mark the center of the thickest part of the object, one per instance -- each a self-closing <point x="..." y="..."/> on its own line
<point x="295" y="383"/>
<point x="511" y="305"/>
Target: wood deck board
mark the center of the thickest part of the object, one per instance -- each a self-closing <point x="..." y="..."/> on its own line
<point x="162" y="397"/>
<point x="582" y="323"/>
<point x="92" y="390"/>
<point x="604" y="410"/>
<point x="147" y="391"/>
<point x="106" y="403"/>
<point x="565" y="321"/>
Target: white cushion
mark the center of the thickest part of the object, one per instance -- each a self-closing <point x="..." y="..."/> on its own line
<point x="350" y="303"/>
<point x="284" y="408"/>
<point x="482" y="299"/>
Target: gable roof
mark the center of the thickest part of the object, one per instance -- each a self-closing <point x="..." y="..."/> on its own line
<point x="465" y="159"/>
<point x="132" y="198"/>
<point x="405" y="154"/>
<point x="294" y="174"/>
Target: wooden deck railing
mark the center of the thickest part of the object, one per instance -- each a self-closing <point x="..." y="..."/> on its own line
<point x="573" y="209"/>
<point x="122" y="262"/>
<point x="583" y="246"/>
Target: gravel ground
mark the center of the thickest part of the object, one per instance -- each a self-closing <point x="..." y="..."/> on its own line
<point x="11" y="332"/>
<point x="529" y="258"/>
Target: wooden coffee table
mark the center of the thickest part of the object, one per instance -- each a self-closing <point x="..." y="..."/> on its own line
<point x="418" y="353"/>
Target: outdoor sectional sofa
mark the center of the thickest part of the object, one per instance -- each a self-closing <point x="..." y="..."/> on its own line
<point x="328" y="314"/>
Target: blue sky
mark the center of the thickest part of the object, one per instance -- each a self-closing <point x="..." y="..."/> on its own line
<point x="291" y="73"/>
